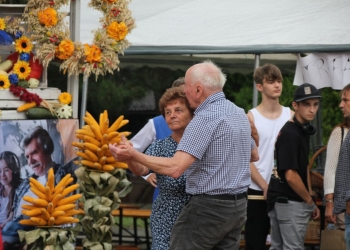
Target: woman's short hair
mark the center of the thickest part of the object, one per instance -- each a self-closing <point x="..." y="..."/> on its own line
<point x="170" y="95"/>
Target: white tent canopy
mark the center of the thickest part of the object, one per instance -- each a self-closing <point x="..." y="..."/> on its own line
<point x="232" y="26"/>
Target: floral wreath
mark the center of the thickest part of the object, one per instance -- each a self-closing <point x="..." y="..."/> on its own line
<point x="51" y="36"/>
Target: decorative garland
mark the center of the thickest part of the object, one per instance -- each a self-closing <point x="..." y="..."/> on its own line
<point x="51" y="36"/>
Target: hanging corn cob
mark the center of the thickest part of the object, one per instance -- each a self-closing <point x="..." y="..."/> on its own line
<point x="95" y="137"/>
<point x="51" y="207"/>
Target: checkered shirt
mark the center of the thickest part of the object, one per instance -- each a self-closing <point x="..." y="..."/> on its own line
<point x="342" y="177"/>
<point x="219" y="136"/>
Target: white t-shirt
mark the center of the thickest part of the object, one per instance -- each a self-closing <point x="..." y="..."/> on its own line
<point x="4" y="201"/>
<point x="268" y="130"/>
<point x="42" y="180"/>
<point x="144" y="137"/>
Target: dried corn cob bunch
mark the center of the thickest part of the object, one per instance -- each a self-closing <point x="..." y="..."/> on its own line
<point x="51" y="207"/>
<point x="96" y="137"/>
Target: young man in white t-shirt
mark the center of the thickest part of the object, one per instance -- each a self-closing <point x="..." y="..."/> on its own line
<point x="269" y="117"/>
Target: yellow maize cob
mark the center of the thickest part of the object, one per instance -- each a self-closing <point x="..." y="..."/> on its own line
<point x="62" y="183"/>
<point x="33" y="212"/>
<point x="65" y="207"/>
<point x="110" y="159"/>
<point x="56" y="199"/>
<point x="50" y="208"/>
<point x="69" y="199"/>
<point x="38" y="221"/>
<point x="82" y="155"/>
<point x="104" y="139"/>
<point x="123" y="123"/>
<point x="103" y="160"/>
<point x="45" y="214"/>
<point x="38" y="193"/>
<point x="93" y="157"/>
<point x="107" y="168"/>
<point x="115" y="125"/>
<point x="90" y="146"/>
<point x="63" y="220"/>
<point x="57" y="213"/>
<point x="37" y="185"/>
<point x="29" y="207"/>
<point x="36" y="202"/>
<point x="120" y="165"/>
<point x="92" y="140"/>
<point x="85" y="132"/>
<point x="111" y="135"/>
<point x="51" y="221"/>
<point x="69" y="189"/>
<point x="73" y="212"/>
<point x="48" y="194"/>
<point x="51" y="180"/>
<point x="96" y="130"/>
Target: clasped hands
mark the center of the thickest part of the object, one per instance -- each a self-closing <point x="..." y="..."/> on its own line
<point x="122" y="151"/>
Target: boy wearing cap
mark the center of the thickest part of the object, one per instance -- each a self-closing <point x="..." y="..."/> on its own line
<point x="289" y="202"/>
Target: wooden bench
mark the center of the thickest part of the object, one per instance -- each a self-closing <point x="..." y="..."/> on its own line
<point x="142" y="214"/>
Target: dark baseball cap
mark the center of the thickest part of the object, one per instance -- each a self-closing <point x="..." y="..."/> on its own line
<point x="306" y="91"/>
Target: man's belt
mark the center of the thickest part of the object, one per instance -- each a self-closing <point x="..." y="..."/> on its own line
<point x="234" y="197"/>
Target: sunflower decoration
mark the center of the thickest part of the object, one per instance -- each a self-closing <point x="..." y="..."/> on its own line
<point x="23" y="45"/>
<point x="4" y="81"/>
<point x="22" y="70"/>
<point x="51" y="35"/>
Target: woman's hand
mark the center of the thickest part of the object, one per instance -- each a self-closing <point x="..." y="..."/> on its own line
<point x="152" y="179"/>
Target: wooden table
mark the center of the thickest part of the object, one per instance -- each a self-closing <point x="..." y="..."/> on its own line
<point x="120" y="211"/>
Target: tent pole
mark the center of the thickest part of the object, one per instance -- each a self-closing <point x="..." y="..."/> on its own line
<point x="83" y="100"/>
<point x="255" y="91"/>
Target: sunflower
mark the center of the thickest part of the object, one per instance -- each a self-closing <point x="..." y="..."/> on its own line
<point x="117" y="30"/>
<point x="4" y="81"/>
<point x="93" y="53"/>
<point x="22" y="69"/>
<point x="65" y="98"/>
<point x="2" y="24"/>
<point x="23" y="45"/>
<point x="48" y="17"/>
<point x="65" y="49"/>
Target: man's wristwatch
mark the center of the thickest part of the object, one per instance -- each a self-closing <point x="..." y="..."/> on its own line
<point x="330" y="201"/>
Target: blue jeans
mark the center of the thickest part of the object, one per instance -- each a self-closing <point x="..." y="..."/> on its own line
<point x="347" y="231"/>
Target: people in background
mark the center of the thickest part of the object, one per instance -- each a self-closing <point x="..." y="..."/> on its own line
<point x="10" y="179"/>
<point x="333" y="148"/>
<point x="341" y="195"/>
<point x="38" y="148"/>
<point x="214" y="152"/>
<point x="155" y="129"/>
<point x="269" y="117"/>
<point x="290" y="204"/>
